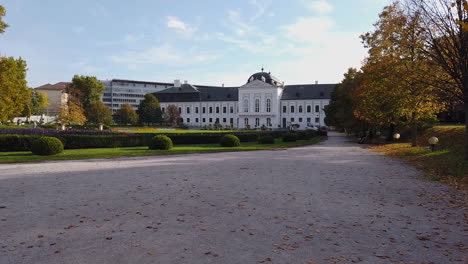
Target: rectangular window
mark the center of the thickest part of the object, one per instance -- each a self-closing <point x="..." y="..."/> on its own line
<point x="217" y="121"/>
<point x="211" y="120"/>
<point x="188" y="120"/>
<point x="292" y="108"/>
<point x="224" y="109"/>
<point x="309" y="109"/>
<point x="246" y="121"/>
<point x="257" y="122"/>
<point x="224" y="120"/>
<point x="300" y="119"/>
<point x="196" y="120"/>
<point x="231" y="121"/>
<point x="204" y="120"/>
<point x="217" y="109"/>
<point x="317" y="109"/>
<point x="203" y="110"/>
<point x="196" y="110"/>
<point x="317" y="120"/>
<point x="231" y="110"/>
<point x="211" y="110"/>
<point x="180" y="110"/>
<point x="300" y="109"/>
<point x="162" y="109"/>
<point x="188" y="110"/>
<point x="284" y="109"/>
<point x="268" y="121"/>
<point x="308" y="120"/>
<point x="292" y="119"/>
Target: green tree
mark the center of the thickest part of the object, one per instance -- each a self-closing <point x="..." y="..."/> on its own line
<point x="126" y="115"/>
<point x="149" y="110"/>
<point x="340" y="111"/>
<point x="13" y="89"/>
<point x="99" y="114"/>
<point x="84" y="90"/>
<point x="3" y="25"/>
<point x="38" y="102"/>
<point x="172" y="115"/>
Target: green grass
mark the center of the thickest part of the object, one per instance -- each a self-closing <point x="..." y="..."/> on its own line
<point x="105" y="153"/>
<point x="445" y="164"/>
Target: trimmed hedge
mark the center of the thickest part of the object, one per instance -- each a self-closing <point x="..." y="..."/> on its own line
<point x="266" y="139"/>
<point x="46" y="146"/>
<point x="229" y="141"/>
<point x="289" y="137"/>
<point x="23" y="142"/>
<point x="161" y="142"/>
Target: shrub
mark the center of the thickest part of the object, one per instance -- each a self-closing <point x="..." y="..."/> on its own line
<point x="229" y="141"/>
<point x="16" y="142"/>
<point x="161" y="142"/>
<point x="266" y="139"/>
<point x="46" y="146"/>
<point x="303" y="135"/>
<point x="289" y="137"/>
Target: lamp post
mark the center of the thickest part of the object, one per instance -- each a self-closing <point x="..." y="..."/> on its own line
<point x="433" y="141"/>
<point x="396" y="136"/>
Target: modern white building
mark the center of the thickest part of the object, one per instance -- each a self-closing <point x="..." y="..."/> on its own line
<point x="118" y="92"/>
<point x="264" y="101"/>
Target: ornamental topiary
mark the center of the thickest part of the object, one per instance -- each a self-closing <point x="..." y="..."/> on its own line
<point x="46" y="146"/>
<point x="161" y="142"/>
<point x="229" y="141"/>
<point x="266" y="140"/>
<point x="289" y="137"/>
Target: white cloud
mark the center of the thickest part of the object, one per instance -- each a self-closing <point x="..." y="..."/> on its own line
<point x="161" y="55"/>
<point x="320" y="6"/>
<point x="311" y="29"/>
<point x="180" y="27"/>
<point x="86" y="68"/>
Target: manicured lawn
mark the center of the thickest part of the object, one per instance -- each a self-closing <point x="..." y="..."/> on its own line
<point x="443" y="165"/>
<point x="76" y="154"/>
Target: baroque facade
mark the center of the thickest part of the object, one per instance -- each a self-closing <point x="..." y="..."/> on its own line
<point x="264" y="101"/>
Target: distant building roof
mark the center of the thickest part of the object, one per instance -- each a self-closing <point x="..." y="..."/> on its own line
<point x="191" y="93"/>
<point x="307" y="91"/>
<point x="142" y="82"/>
<point x="58" y="86"/>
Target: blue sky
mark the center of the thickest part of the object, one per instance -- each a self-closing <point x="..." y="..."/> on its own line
<point x="203" y="41"/>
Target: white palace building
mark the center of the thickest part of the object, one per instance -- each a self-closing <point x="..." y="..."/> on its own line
<point x="264" y="101"/>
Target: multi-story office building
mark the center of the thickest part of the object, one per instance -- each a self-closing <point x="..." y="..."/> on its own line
<point x="118" y="92"/>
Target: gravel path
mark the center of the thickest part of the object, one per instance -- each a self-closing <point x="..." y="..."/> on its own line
<point x="330" y="203"/>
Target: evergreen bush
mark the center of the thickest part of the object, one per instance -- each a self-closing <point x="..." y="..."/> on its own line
<point x="229" y="141"/>
<point x="161" y="142"/>
<point x="46" y="146"/>
<point x="289" y="137"/>
<point x="266" y="139"/>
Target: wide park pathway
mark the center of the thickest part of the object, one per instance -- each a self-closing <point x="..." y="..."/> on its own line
<point x="334" y="202"/>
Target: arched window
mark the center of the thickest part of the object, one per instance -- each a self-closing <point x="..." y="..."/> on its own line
<point x="257" y="105"/>
<point x="268" y="105"/>
<point x="246" y="105"/>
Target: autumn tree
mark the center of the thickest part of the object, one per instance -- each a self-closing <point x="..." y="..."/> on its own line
<point x="3" y="25"/>
<point x="126" y="115"/>
<point x="172" y="115"/>
<point x="38" y="101"/>
<point x="149" y="110"/>
<point x="99" y="114"/>
<point x="14" y="92"/>
<point x="71" y="113"/>
<point x="84" y="90"/>
<point x="395" y="87"/>
<point x="446" y="43"/>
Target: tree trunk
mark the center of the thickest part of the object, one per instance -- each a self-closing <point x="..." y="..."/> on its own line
<point x="466" y="125"/>
<point x="414" y="134"/>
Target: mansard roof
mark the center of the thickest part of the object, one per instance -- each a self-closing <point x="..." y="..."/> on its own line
<point x="191" y="93"/>
<point x="307" y="91"/>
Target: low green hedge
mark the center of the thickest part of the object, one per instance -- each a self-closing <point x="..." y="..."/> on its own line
<point x="266" y="139"/>
<point x="290" y="137"/>
<point x="46" y="146"/>
<point x="23" y="143"/>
